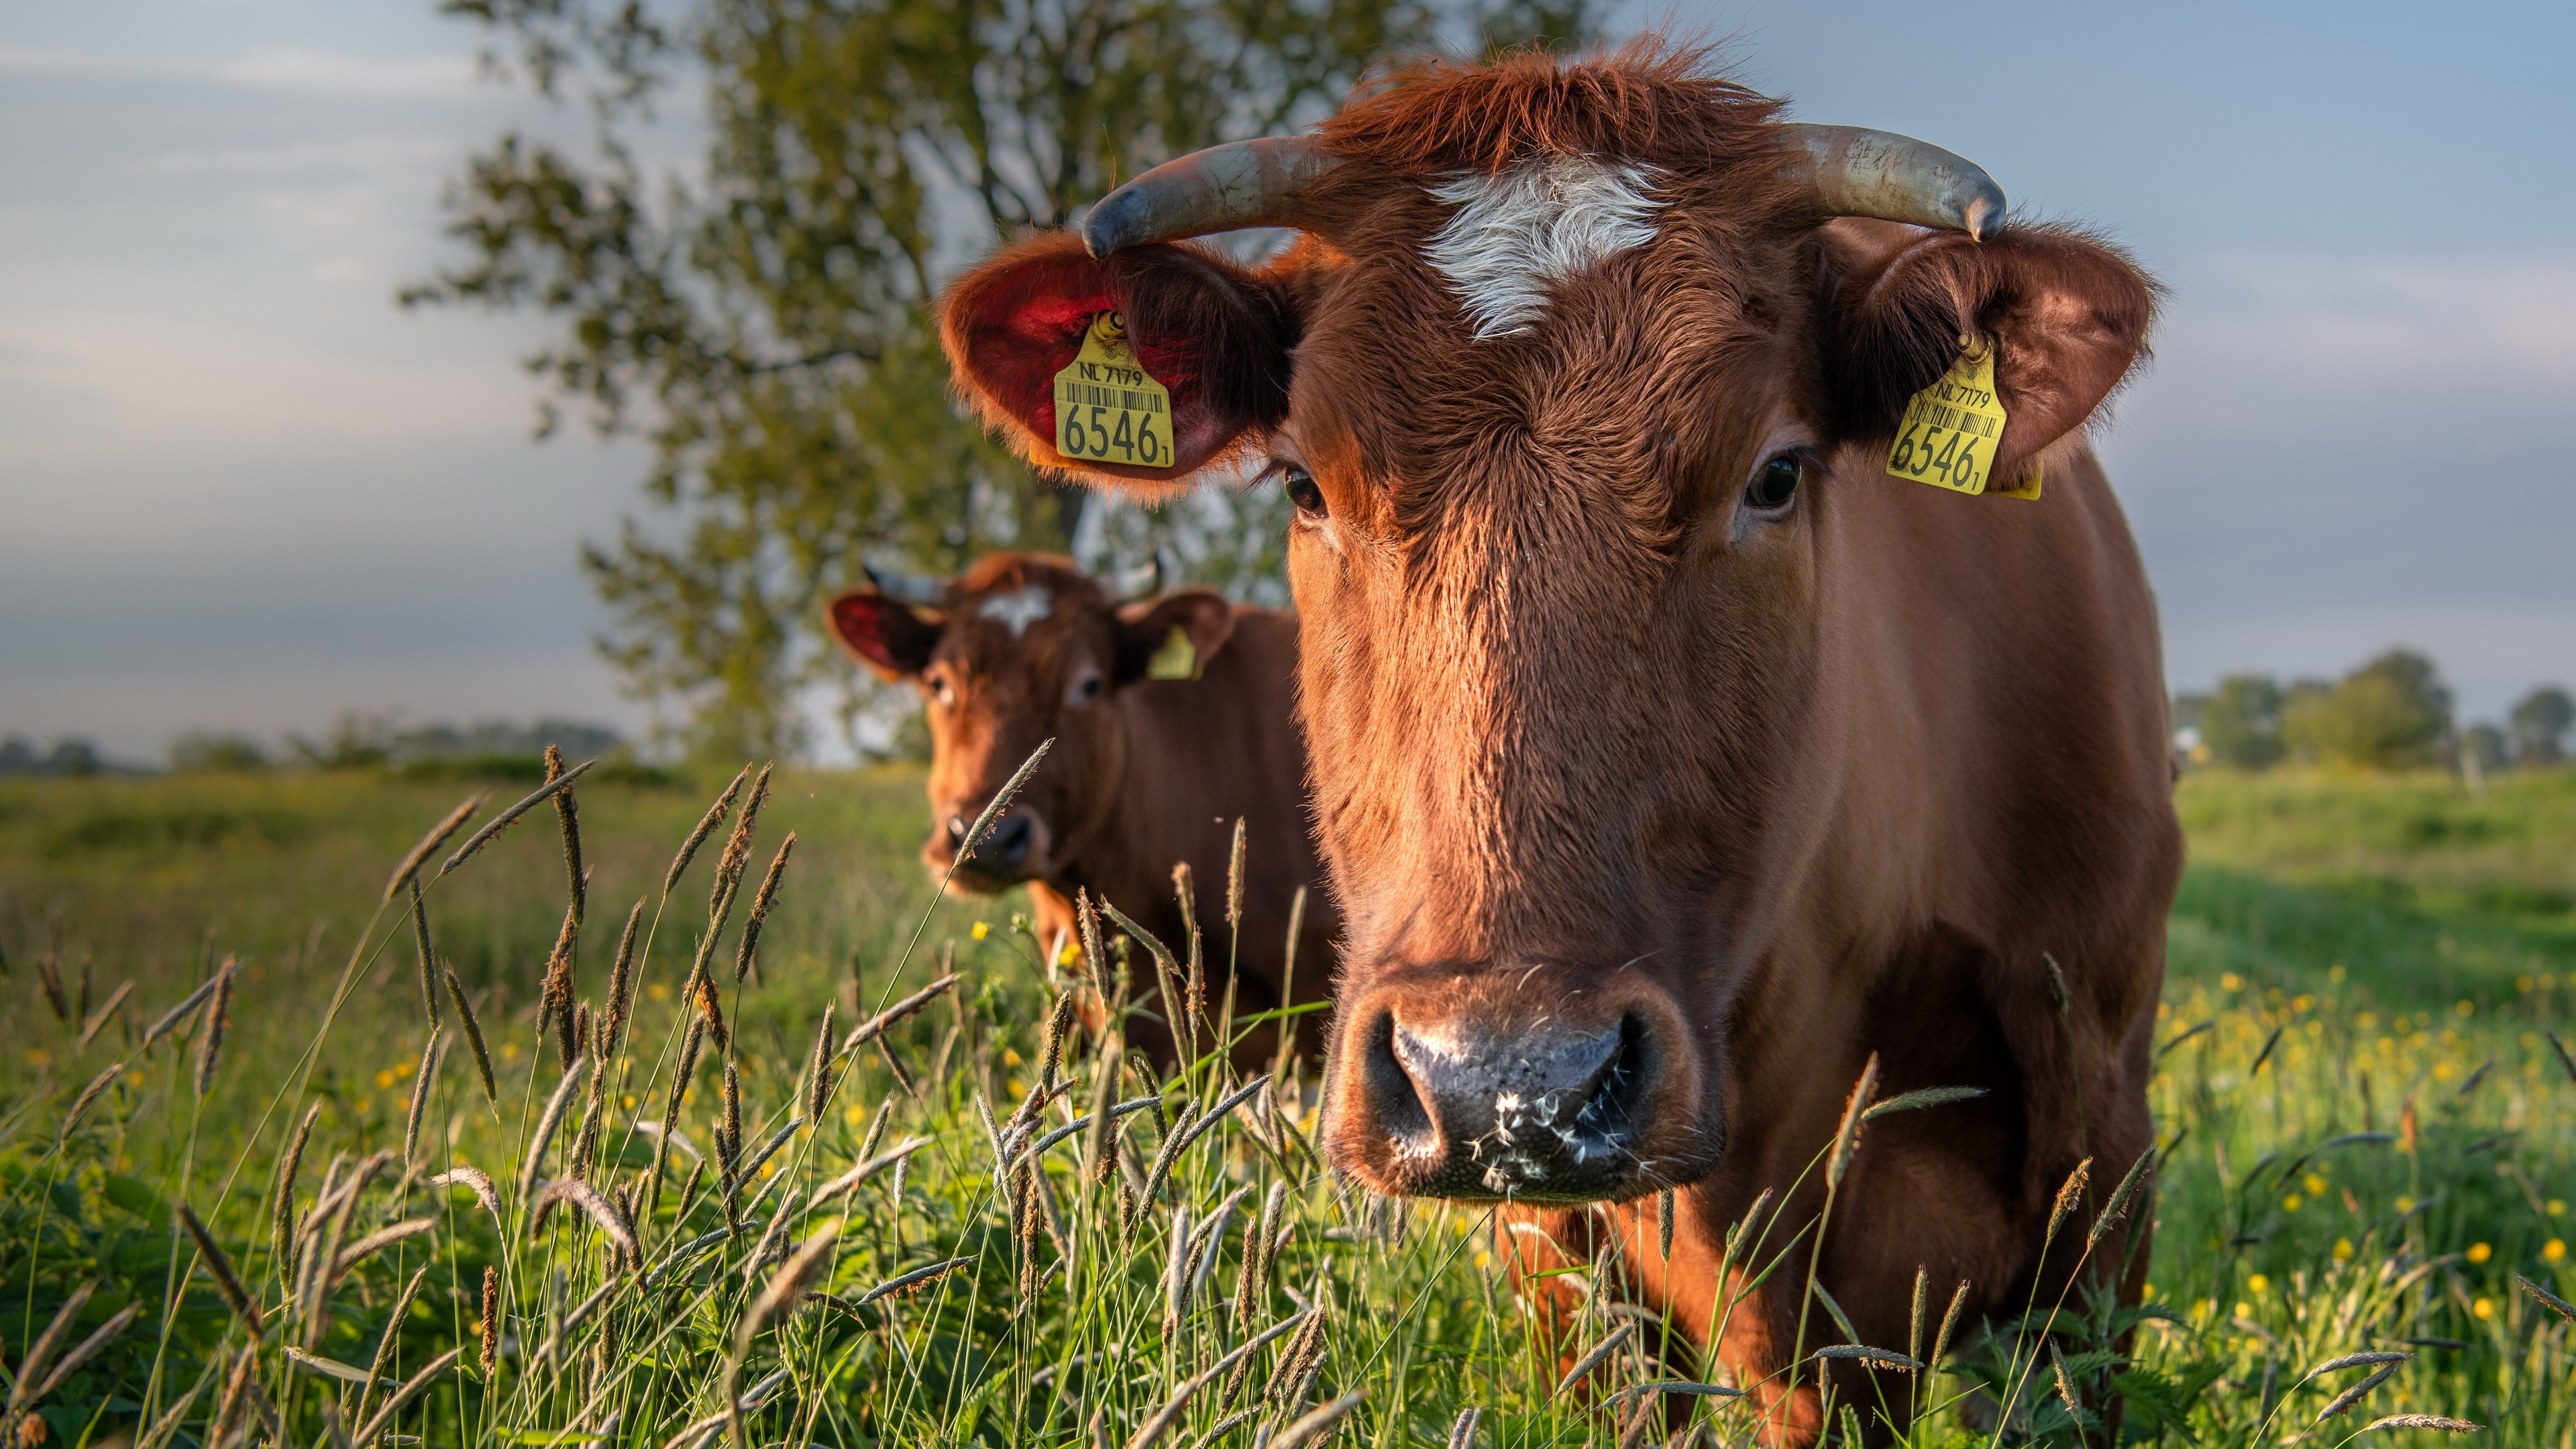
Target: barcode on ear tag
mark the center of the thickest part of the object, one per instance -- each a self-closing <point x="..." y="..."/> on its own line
<point x="1107" y="407"/>
<point x="1951" y="429"/>
<point x="1177" y="659"/>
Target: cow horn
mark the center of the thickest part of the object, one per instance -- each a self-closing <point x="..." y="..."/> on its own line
<point x="1854" y="171"/>
<point x="1141" y="582"/>
<point x="1223" y="188"/>
<point x="1860" y="172"/>
<point x="922" y="591"/>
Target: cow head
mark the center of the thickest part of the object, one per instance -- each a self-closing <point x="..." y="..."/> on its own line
<point x="1582" y="378"/>
<point x="1025" y="648"/>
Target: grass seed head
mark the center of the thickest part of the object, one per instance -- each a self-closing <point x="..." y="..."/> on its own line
<point x="706" y="826"/>
<point x="818" y="1069"/>
<point x="621" y="984"/>
<point x="503" y="821"/>
<point x="1847" y="1136"/>
<point x="491" y="1321"/>
<point x="227" y="1282"/>
<point x="474" y="1038"/>
<point x="2070" y="1195"/>
<point x="408" y="871"/>
<point x="427" y="957"/>
<point x="1234" y="878"/>
<point x="210" y="1044"/>
<point x="568" y="816"/>
<point x="420" y="1097"/>
<point x="96" y="1089"/>
<point x="711" y="1011"/>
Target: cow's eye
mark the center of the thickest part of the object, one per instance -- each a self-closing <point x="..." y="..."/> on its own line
<point x="941" y="690"/>
<point x="1777" y="483"/>
<point x="1086" y="689"/>
<point x="1302" y="490"/>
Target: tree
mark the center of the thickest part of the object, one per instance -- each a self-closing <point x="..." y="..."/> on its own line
<point x="2540" y="724"/>
<point x="216" y="752"/>
<point x="765" y="327"/>
<point x="2391" y="713"/>
<point x="2240" y="722"/>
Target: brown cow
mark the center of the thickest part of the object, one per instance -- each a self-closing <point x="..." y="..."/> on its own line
<point x="1672" y="758"/>
<point x="1145" y="772"/>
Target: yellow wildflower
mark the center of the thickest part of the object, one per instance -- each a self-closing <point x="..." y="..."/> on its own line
<point x="2343" y="1250"/>
<point x="2554" y="1251"/>
<point x="2483" y="1308"/>
<point x="2480" y="1252"/>
<point x="2258" y="1284"/>
<point x="981" y="930"/>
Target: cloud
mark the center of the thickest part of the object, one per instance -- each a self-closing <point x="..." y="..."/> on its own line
<point x="309" y="72"/>
<point x="2333" y="455"/>
<point x="363" y="155"/>
<point x="440" y="76"/>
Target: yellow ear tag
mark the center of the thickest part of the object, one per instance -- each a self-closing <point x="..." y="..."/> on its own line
<point x="1107" y="407"/>
<point x="1951" y="428"/>
<point x="1176" y="659"/>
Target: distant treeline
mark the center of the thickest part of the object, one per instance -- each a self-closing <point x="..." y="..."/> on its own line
<point x="2392" y="713"/>
<point x="494" y="748"/>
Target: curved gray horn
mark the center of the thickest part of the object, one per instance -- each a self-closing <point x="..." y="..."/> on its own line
<point x="1223" y="188"/>
<point x="1141" y="582"/>
<point x="1860" y="172"/>
<point x="922" y="591"/>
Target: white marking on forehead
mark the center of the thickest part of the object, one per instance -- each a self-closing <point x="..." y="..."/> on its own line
<point x="1019" y="608"/>
<point x="1546" y="218"/>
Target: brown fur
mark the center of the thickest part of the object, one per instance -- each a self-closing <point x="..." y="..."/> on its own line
<point x="1589" y="735"/>
<point x="1154" y="773"/>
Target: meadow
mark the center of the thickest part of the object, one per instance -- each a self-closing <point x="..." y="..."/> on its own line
<point x="246" y="1195"/>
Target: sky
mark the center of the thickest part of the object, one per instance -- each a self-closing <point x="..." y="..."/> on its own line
<point x="240" y="489"/>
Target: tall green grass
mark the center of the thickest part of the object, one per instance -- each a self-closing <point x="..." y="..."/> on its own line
<point x="2343" y="1171"/>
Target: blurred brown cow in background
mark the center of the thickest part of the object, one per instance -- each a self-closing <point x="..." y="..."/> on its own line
<point x="1172" y="718"/>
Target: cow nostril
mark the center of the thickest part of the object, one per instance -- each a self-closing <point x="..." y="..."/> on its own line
<point x="1010" y="838"/>
<point x="1391" y="1099"/>
<point x="1612" y="1109"/>
<point x="956" y="830"/>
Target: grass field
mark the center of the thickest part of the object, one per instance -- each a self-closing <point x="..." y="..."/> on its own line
<point x="2368" y="1134"/>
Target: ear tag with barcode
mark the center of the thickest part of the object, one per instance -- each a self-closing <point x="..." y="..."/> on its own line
<point x="1951" y="429"/>
<point x="1177" y="659"/>
<point x="1107" y="407"/>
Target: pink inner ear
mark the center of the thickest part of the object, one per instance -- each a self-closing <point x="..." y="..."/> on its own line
<point x="1041" y="332"/>
<point x="856" y="620"/>
<point x="1034" y="331"/>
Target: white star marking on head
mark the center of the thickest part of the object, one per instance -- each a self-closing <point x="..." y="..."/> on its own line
<point x="1546" y="218"/>
<point x="1019" y="609"/>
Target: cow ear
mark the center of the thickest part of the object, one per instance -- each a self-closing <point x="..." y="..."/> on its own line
<point x="1173" y="637"/>
<point x="882" y="634"/>
<point x="2068" y="313"/>
<point x="1217" y="337"/>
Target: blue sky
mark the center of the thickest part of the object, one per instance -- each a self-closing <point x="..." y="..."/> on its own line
<point x="239" y="489"/>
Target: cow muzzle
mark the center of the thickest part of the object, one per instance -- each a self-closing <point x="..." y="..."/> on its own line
<point x="1455" y="1088"/>
<point x="1014" y="848"/>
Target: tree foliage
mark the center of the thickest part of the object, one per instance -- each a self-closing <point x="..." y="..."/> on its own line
<point x="762" y="323"/>
<point x="2240" y="722"/>
<point x="2540" y="724"/>
<point x="2391" y="713"/>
